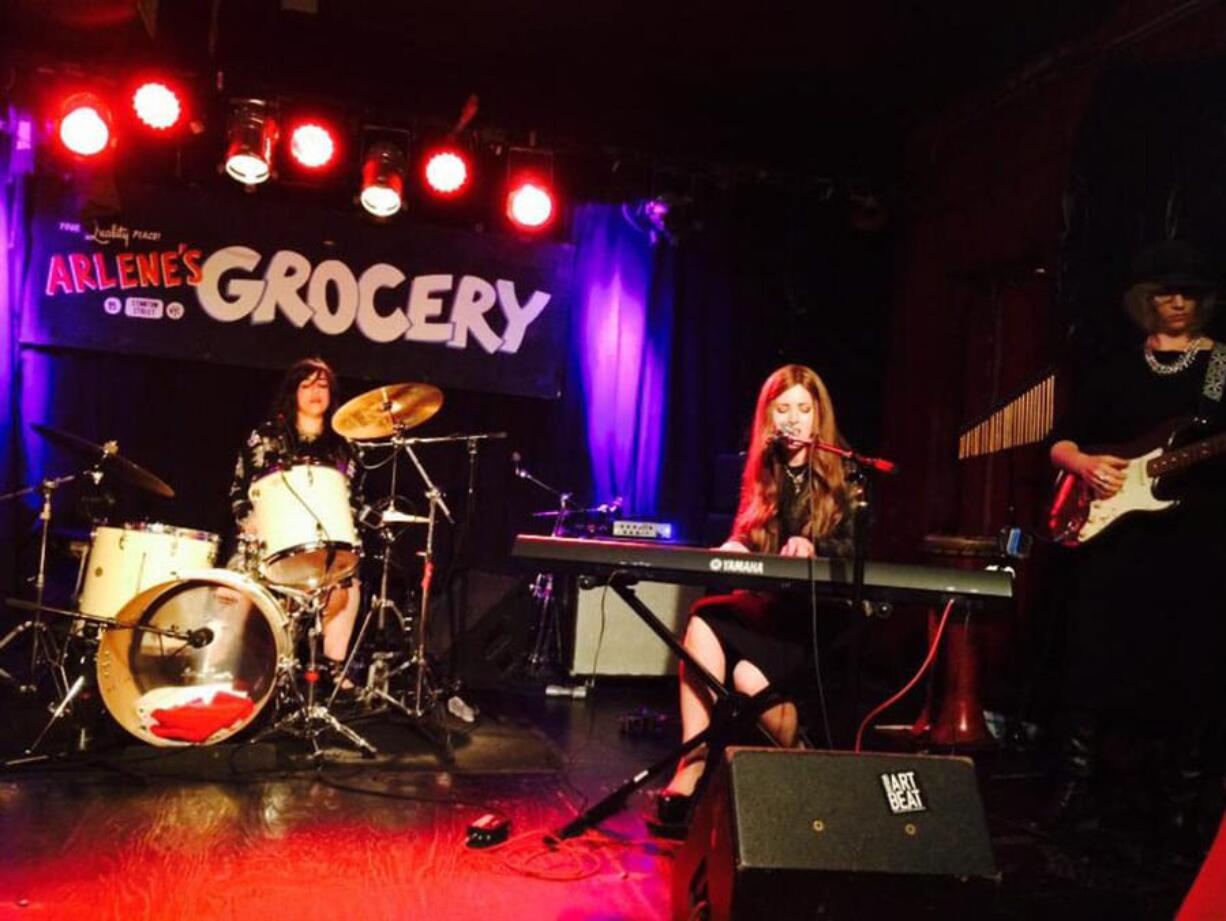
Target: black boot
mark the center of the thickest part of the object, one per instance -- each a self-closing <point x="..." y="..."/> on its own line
<point x="1073" y="805"/>
<point x="1191" y="799"/>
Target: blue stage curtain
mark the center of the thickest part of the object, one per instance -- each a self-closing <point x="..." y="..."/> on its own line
<point x="622" y="339"/>
<point x="14" y="238"/>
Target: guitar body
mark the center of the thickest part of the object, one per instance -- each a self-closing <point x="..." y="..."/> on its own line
<point x="1076" y="517"/>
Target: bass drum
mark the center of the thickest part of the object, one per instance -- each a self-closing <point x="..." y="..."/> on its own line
<point x="167" y="692"/>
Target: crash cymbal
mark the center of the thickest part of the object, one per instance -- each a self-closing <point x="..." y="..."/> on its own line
<point x="107" y="454"/>
<point x="386" y="410"/>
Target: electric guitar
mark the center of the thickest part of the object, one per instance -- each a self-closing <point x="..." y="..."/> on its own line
<point x="1077" y="517"/>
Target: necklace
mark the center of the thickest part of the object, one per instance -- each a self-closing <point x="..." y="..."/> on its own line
<point x="798" y="479"/>
<point x="1182" y="363"/>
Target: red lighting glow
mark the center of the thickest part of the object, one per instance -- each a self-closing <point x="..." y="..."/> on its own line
<point x="157" y="105"/>
<point x="85" y="128"/>
<point x="446" y="172"/>
<point x="312" y="145"/>
<point x="530" y="204"/>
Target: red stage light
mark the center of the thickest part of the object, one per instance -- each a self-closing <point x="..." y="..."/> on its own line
<point x="446" y="172"/>
<point x="530" y="204"/>
<point x="85" y="125"/>
<point x="312" y="145"/>
<point x="157" y="105"/>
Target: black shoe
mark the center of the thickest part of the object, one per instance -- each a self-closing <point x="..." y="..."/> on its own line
<point x="330" y="672"/>
<point x="673" y="808"/>
<point x="669" y="815"/>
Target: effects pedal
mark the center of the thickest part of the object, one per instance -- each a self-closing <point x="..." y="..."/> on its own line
<point x="489" y="830"/>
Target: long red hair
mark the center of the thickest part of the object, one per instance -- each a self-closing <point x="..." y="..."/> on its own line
<point x="757" y="521"/>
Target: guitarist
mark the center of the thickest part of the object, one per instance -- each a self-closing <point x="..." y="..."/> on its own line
<point x="1147" y="607"/>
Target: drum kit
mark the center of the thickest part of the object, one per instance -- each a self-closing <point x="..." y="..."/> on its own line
<point x="185" y="653"/>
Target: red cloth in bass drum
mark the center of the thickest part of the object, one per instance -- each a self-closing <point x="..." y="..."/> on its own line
<point x="196" y="721"/>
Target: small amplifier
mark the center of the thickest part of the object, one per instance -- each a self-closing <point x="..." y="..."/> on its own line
<point x="643" y="530"/>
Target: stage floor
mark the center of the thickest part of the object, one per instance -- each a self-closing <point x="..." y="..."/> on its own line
<point x="236" y="832"/>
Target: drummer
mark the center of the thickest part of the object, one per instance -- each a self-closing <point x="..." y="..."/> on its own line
<point x="299" y="429"/>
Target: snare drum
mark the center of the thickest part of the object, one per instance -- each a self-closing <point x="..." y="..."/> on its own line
<point x="167" y="692"/>
<point x="125" y="561"/>
<point x="305" y="526"/>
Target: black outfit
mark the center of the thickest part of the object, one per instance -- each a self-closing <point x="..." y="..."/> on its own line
<point x="274" y="445"/>
<point x="1148" y="606"/>
<point x="774" y="632"/>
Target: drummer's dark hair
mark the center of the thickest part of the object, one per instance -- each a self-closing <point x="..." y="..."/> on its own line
<point x="284" y="410"/>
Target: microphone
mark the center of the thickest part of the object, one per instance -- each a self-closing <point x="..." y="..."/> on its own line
<point x="199" y="638"/>
<point x="781" y="441"/>
<point x="516" y="462"/>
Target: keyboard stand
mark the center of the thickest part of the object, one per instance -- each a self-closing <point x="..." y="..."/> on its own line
<point x="731" y="712"/>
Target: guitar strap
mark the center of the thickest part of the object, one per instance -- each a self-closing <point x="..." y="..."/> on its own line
<point x="1215" y="381"/>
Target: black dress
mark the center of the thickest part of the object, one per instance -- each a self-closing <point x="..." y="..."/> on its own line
<point x="1148" y="604"/>
<point x="772" y="631"/>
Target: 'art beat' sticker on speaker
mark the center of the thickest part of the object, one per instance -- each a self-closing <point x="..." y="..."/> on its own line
<point x="903" y="793"/>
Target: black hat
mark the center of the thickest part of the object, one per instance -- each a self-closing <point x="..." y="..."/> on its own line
<point x="1176" y="264"/>
<point x="1171" y="264"/>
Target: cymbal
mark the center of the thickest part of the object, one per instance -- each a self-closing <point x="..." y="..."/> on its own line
<point x="386" y="410"/>
<point x="124" y="469"/>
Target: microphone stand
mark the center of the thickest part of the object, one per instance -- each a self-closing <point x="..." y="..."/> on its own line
<point x="43" y="648"/>
<point x="547" y="629"/>
<point x="861" y="465"/>
<point x="196" y="639"/>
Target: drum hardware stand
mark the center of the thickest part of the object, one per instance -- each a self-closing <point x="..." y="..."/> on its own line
<point x="380" y="670"/>
<point x="424" y="695"/>
<point x="44" y="650"/>
<point x="312" y="718"/>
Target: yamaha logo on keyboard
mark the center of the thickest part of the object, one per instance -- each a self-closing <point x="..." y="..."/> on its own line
<point x="740" y="567"/>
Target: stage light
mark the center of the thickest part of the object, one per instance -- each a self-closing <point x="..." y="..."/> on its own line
<point x="666" y="217"/>
<point x="252" y="133"/>
<point x="446" y="172"/>
<point x="85" y="125"/>
<point x="157" y="105"/>
<point x="383" y="180"/>
<point x="312" y="145"/>
<point x="530" y="204"/>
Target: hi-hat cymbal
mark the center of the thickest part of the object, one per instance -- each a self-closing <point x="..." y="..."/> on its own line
<point x="123" y="468"/>
<point x="386" y="410"/>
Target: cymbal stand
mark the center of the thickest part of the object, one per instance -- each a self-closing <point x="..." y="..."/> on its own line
<point x="44" y="650"/>
<point x="312" y="717"/>
<point x="421" y="668"/>
<point x="423" y="694"/>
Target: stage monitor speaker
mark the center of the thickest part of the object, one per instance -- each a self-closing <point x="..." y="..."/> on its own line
<point x="617" y="642"/>
<point x="835" y="835"/>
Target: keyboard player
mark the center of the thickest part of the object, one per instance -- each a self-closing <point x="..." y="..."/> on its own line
<point x="794" y="502"/>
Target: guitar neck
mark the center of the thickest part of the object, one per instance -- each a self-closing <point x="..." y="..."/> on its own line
<point x="1182" y="458"/>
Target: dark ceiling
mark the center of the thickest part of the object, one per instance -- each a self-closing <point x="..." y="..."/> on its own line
<point x="818" y="87"/>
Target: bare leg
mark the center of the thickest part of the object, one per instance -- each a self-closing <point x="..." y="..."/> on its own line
<point x="781" y="720"/>
<point x="704" y="646"/>
<point x="340" y="614"/>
